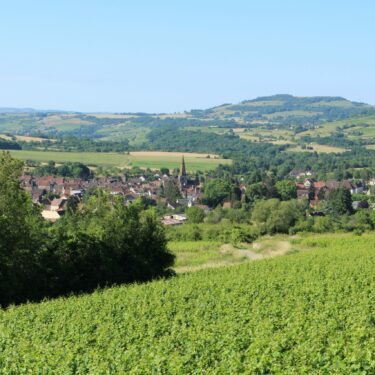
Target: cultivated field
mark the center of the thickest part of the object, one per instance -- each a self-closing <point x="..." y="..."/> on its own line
<point x="24" y="138"/>
<point x="153" y="160"/>
<point x="306" y="313"/>
<point x="319" y="149"/>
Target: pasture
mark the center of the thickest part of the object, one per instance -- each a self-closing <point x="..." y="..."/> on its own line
<point x="306" y="313"/>
<point x="152" y="160"/>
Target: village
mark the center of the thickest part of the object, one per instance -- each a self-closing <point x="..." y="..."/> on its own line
<point x="53" y="194"/>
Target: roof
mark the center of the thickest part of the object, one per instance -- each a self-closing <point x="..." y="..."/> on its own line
<point x="319" y="184"/>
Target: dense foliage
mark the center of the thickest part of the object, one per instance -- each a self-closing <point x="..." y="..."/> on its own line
<point x="80" y="144"/>
<point x="9" y="145"/>
<point x="305" y="313"/>
<point x="75" y="170"/>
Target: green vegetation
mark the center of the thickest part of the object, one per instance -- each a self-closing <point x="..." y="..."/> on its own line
<point x="311" y="312"/>
<point x="6" y="144"/>
<point x="75" y="170"/>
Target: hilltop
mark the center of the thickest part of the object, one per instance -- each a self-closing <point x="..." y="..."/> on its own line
<point x="286" y="109"/>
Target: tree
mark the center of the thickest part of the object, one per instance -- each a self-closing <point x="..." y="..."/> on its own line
<point x="274" y="216"/>
<point x="164" y="171"/>
<point x="216" y="191"/>
<point x="21" y="238"/>
<point x="171" y="191"/>
<point x="195" y="215"/>
<point x="286" y="189"/>
<point x="256" y="191"/>
<point x="340" y="202"/>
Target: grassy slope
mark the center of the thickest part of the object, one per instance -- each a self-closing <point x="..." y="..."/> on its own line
<point x="172" y="160"/>
<point x="306" y="313"/>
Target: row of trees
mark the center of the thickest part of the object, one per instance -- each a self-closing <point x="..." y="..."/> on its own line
<point x="69" y="169"/>
<point x="106" y="243"/>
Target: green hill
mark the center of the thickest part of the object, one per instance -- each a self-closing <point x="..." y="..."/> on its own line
<point x="289" y="110"/>
<point x="278" y="119"/>
<point x="306" y="313"/>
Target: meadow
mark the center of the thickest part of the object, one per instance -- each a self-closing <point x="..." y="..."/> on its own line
<point x="152" y="160"/>
<point x="311" y="312"/>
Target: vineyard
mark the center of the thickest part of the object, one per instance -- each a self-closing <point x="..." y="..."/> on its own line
<point x="310" y="312"/>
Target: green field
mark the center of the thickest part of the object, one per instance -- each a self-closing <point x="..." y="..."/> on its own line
<point x="153" y="160"/>
<point x="307" y="313"/>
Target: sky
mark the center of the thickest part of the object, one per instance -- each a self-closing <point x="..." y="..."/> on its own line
<point x="171" y="56"/>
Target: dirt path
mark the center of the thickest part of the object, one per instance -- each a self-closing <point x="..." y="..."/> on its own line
<point x="262" y="250"/>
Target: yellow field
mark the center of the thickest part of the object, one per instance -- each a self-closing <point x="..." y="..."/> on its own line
<point x="24" y="138"/>
<point x="187" y="155"/>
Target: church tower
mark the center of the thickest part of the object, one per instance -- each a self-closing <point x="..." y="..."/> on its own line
<point x="182" y="177"/>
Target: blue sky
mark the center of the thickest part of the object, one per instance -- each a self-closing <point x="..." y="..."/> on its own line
<point x="169" y="56"/>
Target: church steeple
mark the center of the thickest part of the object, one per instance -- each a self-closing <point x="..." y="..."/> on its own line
<point x="183" y="167"/>
<point x="182" y="177"/>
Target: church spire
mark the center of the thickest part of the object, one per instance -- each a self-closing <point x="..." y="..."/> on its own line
<point x="183" y="167"/>
<point x="182" y="178"/>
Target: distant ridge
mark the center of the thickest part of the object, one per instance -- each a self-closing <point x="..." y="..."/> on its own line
<point x="281" y="100"/>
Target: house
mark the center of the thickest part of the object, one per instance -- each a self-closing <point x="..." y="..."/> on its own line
<point x="185" y="202"/>
<point x="170" y="222"/>
<point x="58" y="204"/>
<point x="298" y="173"/>
<point x="174" y="219"/>
<point x="357" y="187"/>
<point x="308" y="183"/>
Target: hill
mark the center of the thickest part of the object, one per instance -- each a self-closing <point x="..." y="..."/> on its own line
<point x="278" y="119"/>
<point x="275" y="111"/>
<point x="287" y="110"/>
<point x="310" y="312"/>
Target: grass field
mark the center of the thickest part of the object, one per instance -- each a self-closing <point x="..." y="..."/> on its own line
<point x="319" y="149"/>
<point x="153" y="160"/>
<point x="305" y="313"/>
<point x="196" y="255"/>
